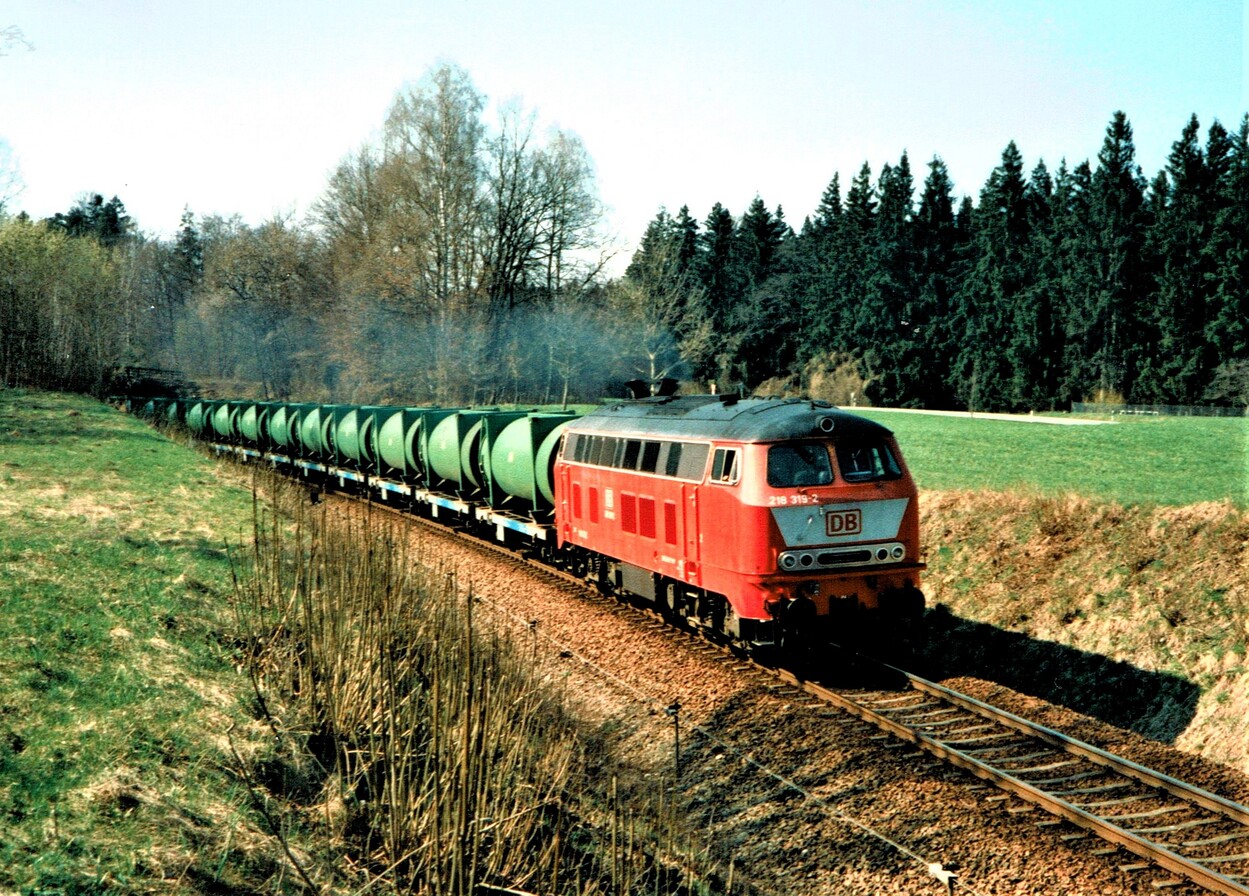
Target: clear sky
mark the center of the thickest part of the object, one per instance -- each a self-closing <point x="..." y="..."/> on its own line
<point x="240" y="106"/>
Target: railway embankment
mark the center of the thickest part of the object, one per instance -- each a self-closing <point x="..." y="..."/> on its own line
<point x="1137" y="616"/>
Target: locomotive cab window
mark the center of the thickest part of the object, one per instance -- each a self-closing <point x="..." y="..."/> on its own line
<point x="799" y="464"/>
<point x="867" y="462"/>
<point x="724" y="466"/>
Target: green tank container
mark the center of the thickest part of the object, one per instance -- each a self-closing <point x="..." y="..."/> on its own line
<point x="295" y="414"/>
<point x="475" y="449"/>
<point x="197" y="417"/>
<point x="253" y="423"/>
<point x="310" y="428"/>
<point x="347" y="434"/>
<point x="174" y="411"/>
<point x="367" y="421"/>
<point x="329" y="429"/>
<point x="453" y="449"/>
<point x="390" y="429"/>
<point x="225" y="420"/>
<point x="280" y="425"/>
<point x="353" y="431"/>
<point x="519" y="460"/>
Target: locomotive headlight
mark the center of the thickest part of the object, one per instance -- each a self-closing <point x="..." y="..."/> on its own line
<point x="898" y="552"/>
<point x="882" y="554"/>
<point x="789" y="561"/>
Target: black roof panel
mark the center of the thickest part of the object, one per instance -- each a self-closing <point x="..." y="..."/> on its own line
<point x="727" y="417"/>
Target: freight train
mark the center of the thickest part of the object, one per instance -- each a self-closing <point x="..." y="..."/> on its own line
<point x="762" y="521"/>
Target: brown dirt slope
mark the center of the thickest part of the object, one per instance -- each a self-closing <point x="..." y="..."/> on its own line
<point x="1138" y="616"/>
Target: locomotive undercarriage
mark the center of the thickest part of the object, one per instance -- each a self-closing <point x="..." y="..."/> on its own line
<point x="892" y="629"/>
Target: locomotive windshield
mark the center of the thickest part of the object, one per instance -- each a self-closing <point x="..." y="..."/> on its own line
<point x="866" y="462"/>
<point x="798" y="464"/>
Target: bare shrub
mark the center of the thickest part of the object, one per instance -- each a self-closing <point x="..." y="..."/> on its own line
<point x="835" y="377"/>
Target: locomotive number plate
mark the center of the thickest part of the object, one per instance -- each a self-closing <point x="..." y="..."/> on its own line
<point x="843" y="522"/>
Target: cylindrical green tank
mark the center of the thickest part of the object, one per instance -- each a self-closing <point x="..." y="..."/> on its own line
<point x="253" y="423"/>
<point x="310" y="426"/>
<point x="329" y="429"/>
<point x="389" y="438"/>
<point x="349" y="429"/>
<point x="476" y="445"/>
<point x="452" y="449"/>
<point x="197" y="417"/>
<point x="520" y="461"/>
<point x="225" y="417"/>
<point x="366" y="437"/>
<point x="175" y="410"/>
<point x="280" y="425"/>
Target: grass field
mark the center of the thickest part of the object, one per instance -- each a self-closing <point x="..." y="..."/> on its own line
<point x="116" y="694"/>
<point x="1133" y="460"/>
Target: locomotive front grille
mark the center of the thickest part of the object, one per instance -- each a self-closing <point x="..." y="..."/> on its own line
<point x="801" y="561"/>
<point x="833" y="558"/>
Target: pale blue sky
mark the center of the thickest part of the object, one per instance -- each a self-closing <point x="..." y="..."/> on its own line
<point x="243" y="106"/>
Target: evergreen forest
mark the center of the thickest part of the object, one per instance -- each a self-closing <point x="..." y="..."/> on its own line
<point x="460" y="260"/>
<point x="1087" y="283"/>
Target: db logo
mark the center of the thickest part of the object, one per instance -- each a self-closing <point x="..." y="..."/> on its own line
<point x="843" y="522"/>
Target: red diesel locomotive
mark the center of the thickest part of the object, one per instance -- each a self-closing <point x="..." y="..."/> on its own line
<point x="752" y="517"/>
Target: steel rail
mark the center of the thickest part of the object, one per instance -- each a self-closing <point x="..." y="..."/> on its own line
<point x="1103" y="827"/>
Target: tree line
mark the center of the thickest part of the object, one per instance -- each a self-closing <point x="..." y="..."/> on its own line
<point x="456" y="260"/>
<point x="1087" y="283"/>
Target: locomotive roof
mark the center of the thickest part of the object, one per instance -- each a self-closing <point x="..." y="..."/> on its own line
<point x="728" y="417"/>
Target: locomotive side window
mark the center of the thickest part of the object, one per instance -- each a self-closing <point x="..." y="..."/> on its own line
<point x="692" y="461"/>
<point x="799" y="464"/>
<point x="867" y="462"/>
<point x="679" y="460"/>
<point x="650" y="457"/>
<point x="724" y="466"/>
<point x="670" y="459"/>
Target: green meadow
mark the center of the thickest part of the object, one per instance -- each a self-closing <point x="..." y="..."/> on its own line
<point x="1128" y="460"/>
<point x="118" y="694"/>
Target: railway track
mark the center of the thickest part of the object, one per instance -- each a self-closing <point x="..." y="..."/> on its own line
<point x="1188" y="831"/>
<point x="1193" y="834"/>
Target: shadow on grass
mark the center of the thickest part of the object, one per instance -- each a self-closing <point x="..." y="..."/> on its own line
<point x="1157" y="705"/>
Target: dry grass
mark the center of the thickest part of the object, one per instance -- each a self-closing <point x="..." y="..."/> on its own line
<point x="421" y="737"/>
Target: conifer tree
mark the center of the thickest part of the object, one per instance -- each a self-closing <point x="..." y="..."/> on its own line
<point x="720" y="278"/>
<point x="1226" y="337"/>
<point x="1172" y="373"/>
<point x="985" y="305"/>
<point x="885" y="323"/>
<point x="1035" y="346"/>
<point x="937" y="243"/>
<point x="1114" y="318"/>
